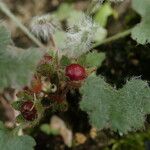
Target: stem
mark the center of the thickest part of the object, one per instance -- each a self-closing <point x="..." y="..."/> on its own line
<point x="53" y="43"/>
<point x="7" y="12"/>
<point x="114" y="37"/>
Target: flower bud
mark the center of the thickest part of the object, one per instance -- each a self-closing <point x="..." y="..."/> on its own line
<point x="42" y="27"/>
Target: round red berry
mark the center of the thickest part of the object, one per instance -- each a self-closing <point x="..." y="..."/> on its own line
<point x="75" y="72"/>
<point x="28" y="111"/>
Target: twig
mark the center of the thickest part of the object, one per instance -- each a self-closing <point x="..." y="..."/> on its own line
<point x="113" y="38"/>
<point x="7" y="12"/>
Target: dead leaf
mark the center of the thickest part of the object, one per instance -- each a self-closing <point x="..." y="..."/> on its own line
<point x="58" y="124"/>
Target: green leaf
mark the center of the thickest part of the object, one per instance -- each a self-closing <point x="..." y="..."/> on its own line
<point x="16" y="70"/>
<point x="122" y="110"/>
<point x="4" y="38"/>
<point x="20" y="119"/>
<point x="141" y="31"/>
<point x="65" y="61"/>
<point x="82" y="60"/>
<point x="141" y="7"/>
<point x="16" y="105"/>
<point x="16" y="65"/>
<point x="64" y="11"/>
<point x="103" y="13"/>
<point x="94" y="59"/>
<point x="9" y="141"/>
<point x="2" y="127"/>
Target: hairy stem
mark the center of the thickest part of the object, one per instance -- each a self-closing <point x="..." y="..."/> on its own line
<point x="7" y="12"/>
<point x="114" y="37"/>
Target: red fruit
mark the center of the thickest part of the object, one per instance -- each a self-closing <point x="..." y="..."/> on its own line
<point x="28" y="111"/>
<point x="75" y="72"/>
